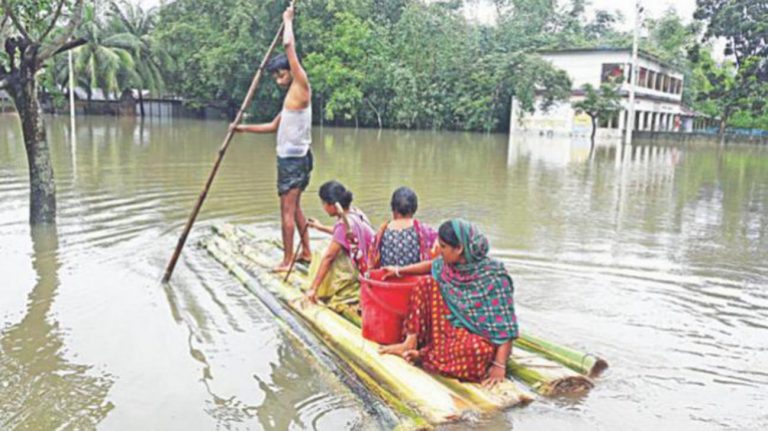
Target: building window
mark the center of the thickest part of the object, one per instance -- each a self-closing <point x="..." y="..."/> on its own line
<point x="651" y="80"/>
<point x="612" y="72"/>
<point x="643" y="77"/>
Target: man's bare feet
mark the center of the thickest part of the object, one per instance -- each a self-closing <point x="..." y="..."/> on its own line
<point x="283" y="267"/>
<point x="305" y="258"/>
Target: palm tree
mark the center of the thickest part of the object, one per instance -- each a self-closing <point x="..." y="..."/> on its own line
<point x="106" y="60"/>
<point x="135" y="25"/>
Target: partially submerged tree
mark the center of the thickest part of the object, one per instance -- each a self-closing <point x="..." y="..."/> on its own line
<point x="33" y="31"/>
<point x="600" y="104"/>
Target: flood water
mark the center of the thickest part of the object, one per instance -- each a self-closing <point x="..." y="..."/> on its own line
<point x="655" y="257"/>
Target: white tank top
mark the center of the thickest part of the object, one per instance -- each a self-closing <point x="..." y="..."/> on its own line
<point x="294" y="135"/>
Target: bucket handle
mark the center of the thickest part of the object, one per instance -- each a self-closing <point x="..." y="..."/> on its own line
<point x="381" y="303"/>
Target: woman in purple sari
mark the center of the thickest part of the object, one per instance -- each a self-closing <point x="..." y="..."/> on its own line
<point x="335" y="278"/>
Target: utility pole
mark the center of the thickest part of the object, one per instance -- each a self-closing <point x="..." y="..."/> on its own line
<point x="634" y="77"/>
<point x="72" y="102"/>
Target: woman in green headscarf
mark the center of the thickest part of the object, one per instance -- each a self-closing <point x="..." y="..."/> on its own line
<point x="461" y="321"/>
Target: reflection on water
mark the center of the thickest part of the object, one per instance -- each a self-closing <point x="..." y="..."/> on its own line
<point x="41" y="388"/>
<point x="654" y="255"/>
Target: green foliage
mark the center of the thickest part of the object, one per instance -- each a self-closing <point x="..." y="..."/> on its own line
<point x="406" y="63"/>
<point x="670" y="39"/>
<point x="600" y="104"/>
<point x="389" y="63"/>
<point x="740" y="87"/>
<point x="38" y="17"/>
<point x="338" y="72"/>
<point x="106" y="60"/>
<point x="217" y="47"/>
<point x="744" y="25"/>
<point x="134" y="27"/>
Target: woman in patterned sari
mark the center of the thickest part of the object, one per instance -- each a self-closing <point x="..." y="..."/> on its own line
<point x="403" y="240"/>
<point x="461" y="321"/>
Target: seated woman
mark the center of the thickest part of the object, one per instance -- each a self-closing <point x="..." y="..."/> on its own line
<point x="403" y="240"/>
<point x="461" y="321"/>
<point x="336" y="280"/>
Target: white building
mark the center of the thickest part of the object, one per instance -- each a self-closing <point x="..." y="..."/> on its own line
<point x="658" y="96"/>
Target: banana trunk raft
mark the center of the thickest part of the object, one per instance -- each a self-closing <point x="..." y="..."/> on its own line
<point x="419" y="400"/>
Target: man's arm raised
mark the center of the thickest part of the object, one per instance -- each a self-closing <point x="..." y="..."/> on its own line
<point x="289" y="42"/>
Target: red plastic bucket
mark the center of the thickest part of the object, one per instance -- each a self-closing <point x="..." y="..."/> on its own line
<point x="384" y="305"/>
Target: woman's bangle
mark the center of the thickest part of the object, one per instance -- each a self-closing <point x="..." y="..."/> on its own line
<point x="397" y="271"/>
<point x="498" y="364"/>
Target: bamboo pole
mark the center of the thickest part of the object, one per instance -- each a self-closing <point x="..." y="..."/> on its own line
<point x="295" y="256"/>
<point x="584" y="363"/>
<point x="220" y="155"/>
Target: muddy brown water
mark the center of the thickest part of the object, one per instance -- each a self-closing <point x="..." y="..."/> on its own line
<point x="655" y="257"/>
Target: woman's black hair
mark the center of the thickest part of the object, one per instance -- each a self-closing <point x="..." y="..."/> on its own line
<point x="448" y="235"/>
<point x="333" y="191"/>
<point x="277" y="63"/>
<point x="404" y="201"/>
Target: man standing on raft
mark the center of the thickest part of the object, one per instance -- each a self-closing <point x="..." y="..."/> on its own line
<point x="294" y="156"/>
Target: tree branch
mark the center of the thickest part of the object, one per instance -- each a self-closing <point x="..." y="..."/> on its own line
<point x="70" y="45"/>
<point x="63" y="40"/>
<point x="19" y="26"/>
<point x="53" y="20"/>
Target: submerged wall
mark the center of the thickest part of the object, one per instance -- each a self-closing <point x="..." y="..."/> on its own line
<point x="730" y="138"/>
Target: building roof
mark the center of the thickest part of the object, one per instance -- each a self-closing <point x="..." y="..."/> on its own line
<point x="640" y="53"/>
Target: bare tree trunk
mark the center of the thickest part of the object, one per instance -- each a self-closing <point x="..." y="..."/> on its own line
<point x="42" y="196"/>
<point x="376" y="111"/>
<point x="594" y="128"/>
<point x="721" y="131"/>
<point x="141" y="103"/>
